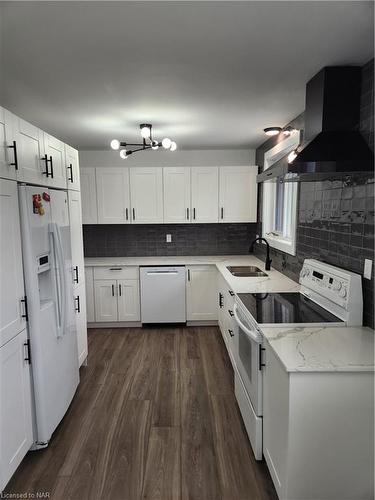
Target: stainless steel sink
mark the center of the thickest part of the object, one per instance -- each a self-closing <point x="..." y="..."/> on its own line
<point x="246" y="271"/>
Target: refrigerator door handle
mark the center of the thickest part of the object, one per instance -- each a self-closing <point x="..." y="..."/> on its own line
<point x="61" y="295"/>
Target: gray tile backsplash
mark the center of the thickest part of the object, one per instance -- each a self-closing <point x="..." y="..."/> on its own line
<point x="150" y="239"/>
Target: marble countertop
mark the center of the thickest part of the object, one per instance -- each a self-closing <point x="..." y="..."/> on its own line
<point x="274" y="282"/>
<point x="323" y="349"/>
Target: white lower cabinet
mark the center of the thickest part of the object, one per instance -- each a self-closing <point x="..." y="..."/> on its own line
<point x="201" y="293"/>
<point x="116" y="300"/>
<point x="16" y="435"/>
<point x="318" y="432"/>
<point x="105" y="300"/>
<point x="90" y="304"/>
<point x="225" y="301"/>
<point x="81" y="322"/>
<point x="128" y="300"/>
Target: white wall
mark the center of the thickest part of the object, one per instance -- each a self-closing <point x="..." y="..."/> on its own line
<point x="191" y="158"/>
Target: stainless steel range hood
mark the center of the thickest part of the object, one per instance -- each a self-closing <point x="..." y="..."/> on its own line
<point x="333" y="145"/>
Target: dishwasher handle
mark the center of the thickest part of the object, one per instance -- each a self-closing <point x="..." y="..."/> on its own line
<point x="161" y="272"/>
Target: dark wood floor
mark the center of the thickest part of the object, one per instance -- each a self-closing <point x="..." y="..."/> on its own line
<point x="154" y="417"/>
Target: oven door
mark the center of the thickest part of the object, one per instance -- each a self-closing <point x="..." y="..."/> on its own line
<point x="248" y="358"/>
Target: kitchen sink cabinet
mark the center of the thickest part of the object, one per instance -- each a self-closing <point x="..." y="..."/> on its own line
<point x="238" y="194"/>
<point x="305" y="416"/>
<point x="201" y="287"/>
<point x="225" y="319"/>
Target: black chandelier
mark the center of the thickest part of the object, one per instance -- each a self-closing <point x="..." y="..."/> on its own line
<point x="147" y="143"/>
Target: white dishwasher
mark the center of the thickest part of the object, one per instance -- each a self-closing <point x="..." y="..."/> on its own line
<point x="163" y="294"/>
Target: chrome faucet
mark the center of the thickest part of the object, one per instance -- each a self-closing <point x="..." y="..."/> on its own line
<point x="267" y="266"/>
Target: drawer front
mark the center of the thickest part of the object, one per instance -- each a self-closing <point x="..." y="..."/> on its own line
<point x="116" y="272"/>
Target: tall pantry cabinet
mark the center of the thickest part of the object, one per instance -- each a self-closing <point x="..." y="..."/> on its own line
<point x="76" y="237"/>
<point x="16" y="434"/>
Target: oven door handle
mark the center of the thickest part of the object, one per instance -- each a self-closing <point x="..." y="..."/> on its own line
<point x="255" y="337"/>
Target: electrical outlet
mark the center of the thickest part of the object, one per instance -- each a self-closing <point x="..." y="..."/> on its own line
<point x="367" y="270"/>
<point x="169" y="238"/>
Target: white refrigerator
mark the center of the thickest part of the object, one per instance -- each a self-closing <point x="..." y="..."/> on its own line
<point x="46" y="255"/>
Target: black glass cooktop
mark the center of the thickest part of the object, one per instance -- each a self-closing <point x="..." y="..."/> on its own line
<point x="285" y="308"/>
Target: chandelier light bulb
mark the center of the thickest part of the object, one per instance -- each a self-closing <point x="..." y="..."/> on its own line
<point x="145" y="131"/>
<point x="173" y="146"/>
<point x="155" y="145"/>
<point x="123" y="154"/>
<point x="166" y="143"/>
<point x="115" y="144"/>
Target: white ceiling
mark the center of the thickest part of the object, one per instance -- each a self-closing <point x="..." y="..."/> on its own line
<point x="207" y="74"/>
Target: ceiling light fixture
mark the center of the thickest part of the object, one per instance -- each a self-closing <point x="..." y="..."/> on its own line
<point x="147" y="143"/>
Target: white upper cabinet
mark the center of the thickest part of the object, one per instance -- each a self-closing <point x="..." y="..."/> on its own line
<point x="54" y="159"/>
<point x="30" y="153"/>
<point x="12" y="294"/>
<point x="204" y="194"/>
<point x="112" y="186"/>
<point x="88" y="196"/>
<point x="146" y="194"/>
<point x="238" y="194"/>
<point x="8" y="146"/>
<point x="72" y="168"/>
<point x="177" y="195"/>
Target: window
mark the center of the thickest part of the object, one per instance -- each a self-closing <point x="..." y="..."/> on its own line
<point x="280" y="201"/>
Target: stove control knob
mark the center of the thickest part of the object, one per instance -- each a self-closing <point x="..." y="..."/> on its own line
<point x="337" y="285"/>
<point x="342" y="292"/>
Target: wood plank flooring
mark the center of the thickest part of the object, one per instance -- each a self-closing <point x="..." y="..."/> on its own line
<point x="154" y="417"/>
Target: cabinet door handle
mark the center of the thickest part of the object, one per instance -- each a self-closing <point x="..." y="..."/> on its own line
<point x="113" y="290"/>
<point x="187" y="214"/>
<point x="115" y="268"/>
<point x="126" y="213"/>
<point x="119" y="290"/>
<point x="28" y="352"/>
<point x="46" y="173"/>
<point x="15" y="162"/>
<point x="222" y="213"/>
<point x="231" y="293"/>
<point x="133" y="213"/>
<point x="71" y="173"/>
<point x="26" y="313"/>
<point x="221" y="305"/>
<point x="194" y="213"/>
<point x="260" y="357"/>
<point x="231" y="313"/>
<point x="188" y="274"/>
<point x="75" y="279"/>
<point x="231" y="333"/>
<point x="51" y="162"/>
<point x="78" y="308"/>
